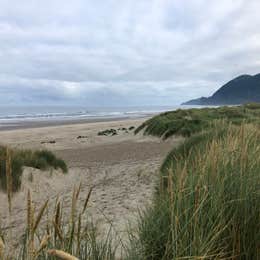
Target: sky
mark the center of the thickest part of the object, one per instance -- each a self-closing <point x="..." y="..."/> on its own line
<point x="125" y="53"/>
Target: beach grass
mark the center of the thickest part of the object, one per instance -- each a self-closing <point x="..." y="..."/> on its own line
<point x="207" y="202"/>
<point x="41" y="159"/>
<point x="190" y="121"/>
<point x="52" y="233"/>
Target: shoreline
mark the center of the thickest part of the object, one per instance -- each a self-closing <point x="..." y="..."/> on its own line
<point x="23" y="125"/>
<point x="45" y="122"/>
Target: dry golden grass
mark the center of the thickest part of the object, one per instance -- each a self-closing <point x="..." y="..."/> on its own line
<point x="9" y="180"/>
<point x="60" y="239"/>
<point x="2" y="248"/>
<point x="61" y="254"/>
<point x="57" y="238"/>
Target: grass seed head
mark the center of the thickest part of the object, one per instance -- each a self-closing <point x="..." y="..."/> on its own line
<point x="61" y="255"/>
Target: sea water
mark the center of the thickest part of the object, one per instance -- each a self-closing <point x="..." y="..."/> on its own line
<point x="14" y="114"/>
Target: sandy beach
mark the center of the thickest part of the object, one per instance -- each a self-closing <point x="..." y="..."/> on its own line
<point x="123" y="168"/>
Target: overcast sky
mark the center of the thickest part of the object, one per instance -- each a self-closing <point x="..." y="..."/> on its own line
<point x="128" y="52"/>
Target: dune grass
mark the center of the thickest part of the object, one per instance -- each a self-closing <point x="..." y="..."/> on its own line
<point x="207" y="204"/>
<point x="42" y="160"/>
<point x="53" y="233"/>
<point x="191" y="121"/>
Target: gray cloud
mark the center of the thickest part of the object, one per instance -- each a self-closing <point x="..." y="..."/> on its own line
<point x="126" y="52"/>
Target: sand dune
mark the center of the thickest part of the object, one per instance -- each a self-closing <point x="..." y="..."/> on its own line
<point x="123" y="168"/>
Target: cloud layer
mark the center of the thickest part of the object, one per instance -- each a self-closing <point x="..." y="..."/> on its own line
<point x="129" y="52"/>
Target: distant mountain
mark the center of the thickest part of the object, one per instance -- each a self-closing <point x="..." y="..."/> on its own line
<point x="243" y="89"/>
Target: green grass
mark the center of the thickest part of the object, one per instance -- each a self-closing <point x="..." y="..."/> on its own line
<point x="191" y="121"/>
<point x="42" y="160"/>
<point x="207" y="204"/>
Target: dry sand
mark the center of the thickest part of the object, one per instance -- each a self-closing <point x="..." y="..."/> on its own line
<point x="123" y="168"/>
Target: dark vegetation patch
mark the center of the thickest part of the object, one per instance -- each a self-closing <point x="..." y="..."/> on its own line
<point x="191" y="121"/>
<point x="112" y="131"/>
<point x="42" y="160"/>
<point x="108" y="132"/>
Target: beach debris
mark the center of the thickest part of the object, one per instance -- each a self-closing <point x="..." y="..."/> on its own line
<point x="108" y="132"/>
<point x="82" y="137"/>
<point x="49" y="142"/>
<point x="122" y="129"/>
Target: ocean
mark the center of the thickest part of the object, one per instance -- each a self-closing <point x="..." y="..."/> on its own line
<point x="20" y="114"/>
